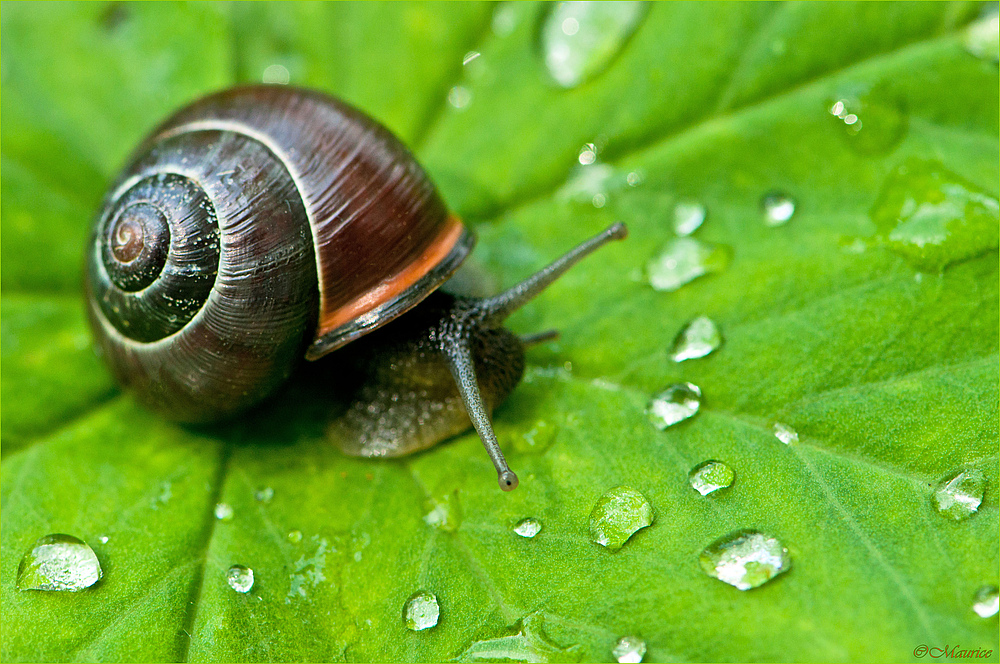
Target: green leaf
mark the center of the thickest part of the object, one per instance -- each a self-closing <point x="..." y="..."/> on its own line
<point x="887" y="373"/>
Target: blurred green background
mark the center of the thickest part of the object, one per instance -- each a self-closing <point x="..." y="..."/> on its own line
<point x="867" y="321"/>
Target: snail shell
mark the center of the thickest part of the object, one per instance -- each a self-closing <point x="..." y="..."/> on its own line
<point x="252" y="227"/>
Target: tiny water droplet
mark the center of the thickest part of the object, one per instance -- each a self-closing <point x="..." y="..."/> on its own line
<point x="629" y="650"/>
<point x="588" y="154"/>
<point x="264" y="495"/>
<point x="673" y="405"/>
<point x="444" y="514"/>
<point x="618" y="514"/>
<point x="223" y="512"/>
<point x="959" y="494"/>
<point x="295" y="536"/>
<point x="982" y="36"/>
<point x="240" y="578"/>
<point x="470" y="56"/>
<point x="745" y="559"/>
<point x="459" y="97"/>
<point x="785" y="433"/>
<point x="698" y="338"/>
<point x="528" y="528"/>
<point x="683" y="260"/>
<point x="59" y="562"/>
<point x="104" y="539"/>
<point x="580" y="39"/>
<point x="986" y="603"/>
<point x="421" y="611"/>
<point x="634" y="178"/>
<point x="711" y="476"/>
<point x="688" y="217"/>
<point x="599" y="200"/>
<point x="932" y="217"/>
<point x="276" y="74"/>
<point x="777" y="207"/>
<point x="873" y="119"/>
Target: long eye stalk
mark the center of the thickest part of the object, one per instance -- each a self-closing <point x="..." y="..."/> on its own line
<point x="490" y="312"/>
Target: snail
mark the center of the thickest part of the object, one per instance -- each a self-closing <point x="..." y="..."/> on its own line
<point x="263" y="224"/>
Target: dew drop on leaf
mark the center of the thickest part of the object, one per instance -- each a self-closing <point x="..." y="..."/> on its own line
<point x="959" y="494"/>
<point x="872" y="119"/>
<point x="698" y="338"/>
<point x="240" y="578"/>
<point x="618" y="514"/>
<point x="59" y="562"/>
<point x="580" y="39"/>
<point x="711" y="476"/>
<point x="459" y="97"/>
<point x="224" y="512"/>
<point x="674" y="405"/>
<point x="785" y="433"/>
<point x="688" y="217"/>
<point x="986" y="603"/>
<point x="932" y="217"/>
<point x="421" y="611"/>
<point x="528" y="527"/>
<point x="264" y="495"/>
<point x="777" y="207"/>
<point x="745" y="559"/>
<point x="629" y="650"/>
<point x="528" y="643"/>
<point x="294" y="536"/>
<point x="683" y="260"/>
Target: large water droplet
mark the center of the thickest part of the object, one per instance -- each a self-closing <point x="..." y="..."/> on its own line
<point x="240" y="578"/>
<point x="959" y="495"/>
<point x="528" y="527"/>
<point x="580" y="39"/>
<point x="59" y="562"/>
<point x="673" y="405"/>
<point x="933" y="217"/>
<point x="421" y="611"/>
<point x="618" y="514"/>
<point x="688" y="217"/>
<point x="873" y="120"/>
<point x="629" y="650"/>
<point x="785" y="433"/>
<point x="745" y="559"/>
<point x="986" y="603"/>
<point x="224" y="512"/>
<point x="710" y="476"/>
<point x="528" y="644"/>
<point x="698" y="338"/>
<point x="982" y="37"/>
<point x="683" y="260"/>
<point x="444" y="514"/>
<point x="777" y="207"/>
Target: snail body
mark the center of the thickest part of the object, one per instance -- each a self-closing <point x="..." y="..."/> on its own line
<point x="264" y="224"/>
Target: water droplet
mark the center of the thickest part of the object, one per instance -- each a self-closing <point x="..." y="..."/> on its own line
<point x="580" y="39"/>
<point x="59" y="562"/>
<point x="634" y="178"/>
<point x="932" y="217"/>
<point x="777" y="207"/>
<point x="710" y="476"/>
<point x="223" y="512"/>
<point x="785" y="433"/>
<point x="421" y="611"/>
<point x="459" y="97"/>
<point x="683" y="260"/>
<point x="982" y="37"/>
<point x="698" y="338"/>
<point x="104" y="539"/>
<point x="528" y="643"/>
<point x="599" y="200"/>
<point x="873" y="119"/>
<point x="618" y="514"/>
<point x="959" y="495"/>
<point x="588" y="154"/>
<point x="444" y="514"/>
<point x="264" y="495"/>
<point x="240" y="578"/>
<point x="276" y="74"/>
<point x="528" y="528"/>
<point x="674" y="404"/>
<point x="470" y="56"/>
<point x="295" y="536"/>
<point x="629" y="650"/>
<point x="688" y="217"/>
<point x="986" y="603"/>
<point x="745" y="559"/>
